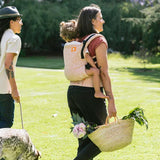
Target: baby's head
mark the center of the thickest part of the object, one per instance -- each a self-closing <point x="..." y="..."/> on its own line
<point x="67" y="30"/>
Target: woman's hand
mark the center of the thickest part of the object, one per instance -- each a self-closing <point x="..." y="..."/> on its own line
<point x="112" y="112"/>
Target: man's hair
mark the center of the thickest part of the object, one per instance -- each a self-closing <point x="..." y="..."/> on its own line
<point x="5" y="24"/>
<point x="84" y="23"/>
<point x="68" y="30"/>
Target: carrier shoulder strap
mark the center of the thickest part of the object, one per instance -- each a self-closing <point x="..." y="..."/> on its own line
<point x="86" y="42"/>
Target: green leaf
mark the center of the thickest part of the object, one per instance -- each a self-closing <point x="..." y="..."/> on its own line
<point x="77" y="119"/>
<point x="137" y="114"/>
<point x="85" y="136"/>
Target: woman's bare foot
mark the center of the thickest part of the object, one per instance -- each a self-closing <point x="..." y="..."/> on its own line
<point x="100" y="95"/>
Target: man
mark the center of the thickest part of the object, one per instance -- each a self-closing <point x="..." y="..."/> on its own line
<point x="10" y="45"/>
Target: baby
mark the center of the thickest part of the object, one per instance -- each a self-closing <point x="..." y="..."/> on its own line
<point x="75" y="69"/>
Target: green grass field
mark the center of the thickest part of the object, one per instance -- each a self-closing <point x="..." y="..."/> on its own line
<point x="46" y="115"/>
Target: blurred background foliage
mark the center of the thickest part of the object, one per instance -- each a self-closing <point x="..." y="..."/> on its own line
<point x="130" y="24"/>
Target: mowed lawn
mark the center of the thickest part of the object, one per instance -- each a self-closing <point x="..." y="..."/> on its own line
<point x="46" y="115"/>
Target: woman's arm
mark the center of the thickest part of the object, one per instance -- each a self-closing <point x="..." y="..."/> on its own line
<point x="10" y="74"/>
<point x="101" y="55"/>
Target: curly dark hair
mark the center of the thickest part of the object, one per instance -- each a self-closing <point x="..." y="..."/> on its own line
<point x="5" y="24"/>
<point x="68" y="30"/>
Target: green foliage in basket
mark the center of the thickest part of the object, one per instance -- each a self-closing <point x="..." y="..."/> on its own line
<point x="137" y="114"/>
<point x="81" y="127"/>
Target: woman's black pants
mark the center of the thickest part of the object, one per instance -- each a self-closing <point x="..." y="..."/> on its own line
<point x="81" y="100"/>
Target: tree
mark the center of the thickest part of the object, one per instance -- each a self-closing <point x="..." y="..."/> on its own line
<point x="148" y="23"/>
<point x="151" y="31"/>
<point x="125" y="24"/>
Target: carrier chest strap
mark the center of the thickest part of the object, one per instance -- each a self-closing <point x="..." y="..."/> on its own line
<point x="84" y="44"/>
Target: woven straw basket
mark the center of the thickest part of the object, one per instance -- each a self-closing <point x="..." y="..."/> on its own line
<point x="113" y="136"/>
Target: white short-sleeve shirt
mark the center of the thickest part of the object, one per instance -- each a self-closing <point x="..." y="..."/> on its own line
<point x="10" y="43"/>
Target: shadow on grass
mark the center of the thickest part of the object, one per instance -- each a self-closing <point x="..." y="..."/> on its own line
<point x="151" y="75"/>
<point x="41" y="62"/>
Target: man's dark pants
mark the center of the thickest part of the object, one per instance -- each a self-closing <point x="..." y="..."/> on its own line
<point x="6" y="110"/>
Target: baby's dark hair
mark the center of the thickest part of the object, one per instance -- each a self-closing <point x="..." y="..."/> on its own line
<point x="68" y="30"/>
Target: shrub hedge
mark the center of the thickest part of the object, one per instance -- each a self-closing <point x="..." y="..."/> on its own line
<point x="127" y="24"/>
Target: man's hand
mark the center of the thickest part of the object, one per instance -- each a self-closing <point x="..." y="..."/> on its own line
<point x="16" y="96"/>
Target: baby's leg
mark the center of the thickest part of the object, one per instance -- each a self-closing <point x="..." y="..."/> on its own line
<point x="96" y="82"/>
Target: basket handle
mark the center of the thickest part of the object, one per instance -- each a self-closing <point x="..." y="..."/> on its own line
<point x="108" y="118"/>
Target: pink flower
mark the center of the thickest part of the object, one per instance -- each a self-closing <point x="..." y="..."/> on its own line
<point x="79" y="130"/>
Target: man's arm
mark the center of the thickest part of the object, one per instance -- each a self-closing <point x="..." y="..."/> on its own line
<point x="11" y="77"/>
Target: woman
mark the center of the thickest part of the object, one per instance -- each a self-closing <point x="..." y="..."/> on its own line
<point x="10" y="45"/>
<point x="81" y="98"/>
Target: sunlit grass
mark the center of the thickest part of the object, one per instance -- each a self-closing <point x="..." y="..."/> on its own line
<point x="47" y="118"/>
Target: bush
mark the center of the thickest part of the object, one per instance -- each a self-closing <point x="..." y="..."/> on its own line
<point x="151" y="31"/>
<point x="40" y="33"/>
<point x="145" y="28"/>
<point x="125" y="28"/>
